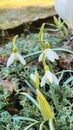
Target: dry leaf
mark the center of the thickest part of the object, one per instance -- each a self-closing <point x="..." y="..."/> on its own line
<point x="3" y="60"/>
<point x="9" y="85"/>
<point x="66" y="60"/>
<point x="12" y="110"/>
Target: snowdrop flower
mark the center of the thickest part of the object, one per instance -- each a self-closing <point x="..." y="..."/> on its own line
<point x="13" y="56"/>
<point x="49" y="77"/>
<point x="50" y="54"/>
<point x="64" y="9"/>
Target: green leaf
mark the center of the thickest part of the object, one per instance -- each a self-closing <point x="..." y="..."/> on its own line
<point x="27" y="128"/>
<point x="23" y="118"/>
<point x="45" y="109"/>
<point x="31" y="99"/>
<point x="68" y="81"/>
<point x="41" y="125"/>
<point x="64" y="50"/>
<point x="58" y="22"/>
<point x="41" y="33"/>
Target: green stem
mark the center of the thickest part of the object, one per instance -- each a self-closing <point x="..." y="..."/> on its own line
<point x="13" y="41"/>
<point x="50" y="67"/>
<point x="32" y="54"/>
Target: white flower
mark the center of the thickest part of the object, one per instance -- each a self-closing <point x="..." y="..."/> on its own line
<point x="49" y="77"/>
<point x="14" y="56"/>
<point x="64" y="8"/>
<point x="50" y="54"/>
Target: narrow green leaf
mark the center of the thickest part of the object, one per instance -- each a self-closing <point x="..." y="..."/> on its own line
<point x="41" y="33"/>
<point x="64" y="50"/>
<point x="30" y="86"/>
<point x="68" y="81"/>
<point x="41" y="125"/>
<point x="45" y="109"/>
<point x="28" y="127"/>
<point x="51" y="125"/>
<point x="31" y="99"/>
<point x="23" y="118"/>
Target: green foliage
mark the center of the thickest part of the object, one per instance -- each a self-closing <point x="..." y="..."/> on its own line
<point x="24" y="95"/>
<point x="4" y="94"/>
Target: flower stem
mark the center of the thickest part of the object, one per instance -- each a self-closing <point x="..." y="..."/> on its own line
<point x="50" y="67"/>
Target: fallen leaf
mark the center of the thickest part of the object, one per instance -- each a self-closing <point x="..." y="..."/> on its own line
<point x="66" y="60"/>
<point x="3" y="60"/>
<point x="12" y="110"/>
<point x="9" y="85"/>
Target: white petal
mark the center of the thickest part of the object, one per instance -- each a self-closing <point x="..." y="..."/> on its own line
<point x="51" y="55"/>
<point x="43" y="81"/>
<point x="10" y="59"/>
<point x="55" y="55"/>
<point x="32" y="76"/>
<point x="21" y="59"/>
<point x="40" y="57"/>
<point x="55" y="80"/>
<point x="51" y="77"/>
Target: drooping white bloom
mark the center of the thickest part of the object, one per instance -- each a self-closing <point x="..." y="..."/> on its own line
<point x="14" y="56"/>
<point x="50" y="54"/>
<point x="49" y="77"/>
<point x="64" y="9"/>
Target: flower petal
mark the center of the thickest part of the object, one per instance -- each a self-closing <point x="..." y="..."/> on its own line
<point x="51" y="55"/>
<point x="51" y="77"/>
<point x="10" y="59"/>
<point x="40" y="57"/>
<point x="43" y="81"/>
<point x="55" y="55"/>
<point x="55" y="80"/>
<point x="21" y="59"/>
